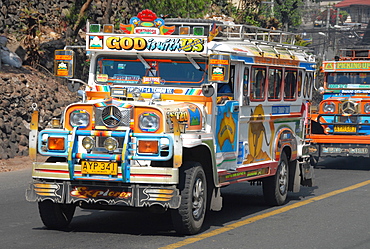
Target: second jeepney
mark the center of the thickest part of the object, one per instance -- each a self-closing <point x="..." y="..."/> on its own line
<point x="340" y="126"/>
<point x="171" y="113"/>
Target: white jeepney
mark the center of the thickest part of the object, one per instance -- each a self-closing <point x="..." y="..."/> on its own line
<point x="171" y="113"/>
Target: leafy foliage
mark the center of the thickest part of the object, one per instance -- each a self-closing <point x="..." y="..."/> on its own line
<point x="179" y="8"/>
<point x="31" y="20"/>
<point x="288" y="12"/>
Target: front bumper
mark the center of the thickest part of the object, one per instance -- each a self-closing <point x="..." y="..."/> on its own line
<point x="339" y="150"/>
<point x="112" y="194"/>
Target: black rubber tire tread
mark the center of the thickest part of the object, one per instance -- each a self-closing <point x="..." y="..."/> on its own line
<point x="182" y="218"/>
<point x="270" y="185"/>
<point x="56" y="215"/>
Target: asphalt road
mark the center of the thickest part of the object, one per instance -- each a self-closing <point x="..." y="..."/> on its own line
<point x="332" y="214"/>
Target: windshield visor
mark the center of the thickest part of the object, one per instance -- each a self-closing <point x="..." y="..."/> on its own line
<point x="122" y="71"/>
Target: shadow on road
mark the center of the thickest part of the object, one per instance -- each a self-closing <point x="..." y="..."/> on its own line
<point x="240" y="201"/>
<point x="345" y="163"/>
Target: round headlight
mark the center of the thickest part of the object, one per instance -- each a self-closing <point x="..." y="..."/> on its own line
<point x="149" y="122"/>
<point x="79" y="118"/>
<point x="88" y="143"/>
<point x="110" y="144"/>
<point x="329" y="107"/>
<point x="367" y="108"/>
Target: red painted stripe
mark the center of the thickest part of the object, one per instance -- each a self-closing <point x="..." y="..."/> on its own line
<point x="151" y="175"/>
<point x="53" y="171"/>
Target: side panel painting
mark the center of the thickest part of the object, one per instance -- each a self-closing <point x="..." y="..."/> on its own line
<point x="260" y="132"/>
<point x="226" y="134"/>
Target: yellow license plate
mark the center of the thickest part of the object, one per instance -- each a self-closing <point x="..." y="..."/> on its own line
<point x="344" y="128"/>
<point x="99" y="168"/>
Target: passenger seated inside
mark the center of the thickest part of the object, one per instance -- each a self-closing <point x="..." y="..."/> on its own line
<point x="223" y="88"/>
<point x="224" y="92"/>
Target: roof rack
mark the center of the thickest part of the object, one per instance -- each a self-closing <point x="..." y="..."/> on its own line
<point x="355" y="54"/>
<point x="241" y="32"/>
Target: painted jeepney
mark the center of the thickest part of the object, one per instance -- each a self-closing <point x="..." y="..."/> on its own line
<point x="169" y="115"/>
<point x="340" y="127"/>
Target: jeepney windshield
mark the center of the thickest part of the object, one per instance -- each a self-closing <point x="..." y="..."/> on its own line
<point x="149" y="70"/>
<point x="348" y="80"/>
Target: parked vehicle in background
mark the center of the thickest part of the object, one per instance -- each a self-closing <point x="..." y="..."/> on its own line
<point x="340" y="127"/>
<point x="171" y="113"/>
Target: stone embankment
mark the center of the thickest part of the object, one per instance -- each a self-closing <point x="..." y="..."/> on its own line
<point x="20" y="89"/>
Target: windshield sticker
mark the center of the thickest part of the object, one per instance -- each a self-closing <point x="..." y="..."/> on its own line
<point x="102" y="77"/>
<point x="355" y="91"/>
<point x="121" y="66"/>
<point x="163" y="90"/>
<point x="152" y="80"/>
<point x="348" y="86"/>
<point x="131" y="79"/>
<point x="108" y="63"/>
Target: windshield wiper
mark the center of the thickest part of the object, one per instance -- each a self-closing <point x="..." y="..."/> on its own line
<point x="194" y="63"/>
<point x="146" y="64"/>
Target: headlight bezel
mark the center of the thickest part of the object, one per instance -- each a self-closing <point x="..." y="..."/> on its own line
<point x="326" y="107"/>
<point x="79" y="115"/>
<point x="152" y="122"/>
<point x="367" y="108"/>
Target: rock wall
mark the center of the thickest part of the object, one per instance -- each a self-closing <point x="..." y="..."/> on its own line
<point x="19" y="89"/>
<point x="35" y="29"/>
<point x="56" y="14"/>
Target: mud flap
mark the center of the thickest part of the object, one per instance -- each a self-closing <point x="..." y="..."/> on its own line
<point x="216" y="200"/>
<point x="294" y="177"/>
<point x="307" y="174"/>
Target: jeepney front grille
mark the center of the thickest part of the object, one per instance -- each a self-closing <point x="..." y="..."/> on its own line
<point x="349" y="107"/>
<point x="112" y="116"/>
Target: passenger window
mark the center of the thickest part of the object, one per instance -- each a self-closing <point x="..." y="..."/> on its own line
<point x="245" y="81"/>
<point x="300" y="79"/>
<point x="290" y="85"/>
<point x="258" y="84"/>
<point x="306" y="86"/>
<point x="274" y="84"/>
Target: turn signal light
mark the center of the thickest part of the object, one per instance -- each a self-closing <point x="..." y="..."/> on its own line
<point x="148" y="146"/>
<point x="56" y="143"/>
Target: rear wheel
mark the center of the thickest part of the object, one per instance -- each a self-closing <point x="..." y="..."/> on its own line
<point x="56" y="215"/>
<point x="189" y="217"/>
<point x="275" y="188"/>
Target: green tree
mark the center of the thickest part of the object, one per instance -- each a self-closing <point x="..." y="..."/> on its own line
<point x="179" y="8"/>
<point x="288" y="12"/>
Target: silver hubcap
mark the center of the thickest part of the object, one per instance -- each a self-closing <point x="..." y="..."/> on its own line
<point x="198" y="198"/>
<point x="283" y="178"/>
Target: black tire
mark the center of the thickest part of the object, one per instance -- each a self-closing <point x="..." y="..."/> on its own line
<point x="275" y="188"/>
<point x="189" y="217"/>
<point x="55" y="215"/>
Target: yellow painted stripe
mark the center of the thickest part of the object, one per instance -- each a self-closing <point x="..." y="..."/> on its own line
<point x="262" y="216"/>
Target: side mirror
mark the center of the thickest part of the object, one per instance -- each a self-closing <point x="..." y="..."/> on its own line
<point x="208" y="90"/>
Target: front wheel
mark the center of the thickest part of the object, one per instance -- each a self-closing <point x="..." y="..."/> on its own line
<point x="189" y="217"/>
<point x="56" y="215"/>
<point x="275" y="188"/>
